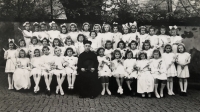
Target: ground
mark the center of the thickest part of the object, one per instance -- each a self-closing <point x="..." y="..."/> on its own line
<point x="26" y="101"/>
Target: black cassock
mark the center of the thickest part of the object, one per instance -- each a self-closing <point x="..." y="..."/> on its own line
<point x="88" y="82"/>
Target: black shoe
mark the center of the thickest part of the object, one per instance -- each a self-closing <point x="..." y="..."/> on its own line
<point x="181" y="93"/>
<point x="92" y="97"/>
<point x="184" y="94"/>
<point x="133" y="94"/>
<point x="48" y="92"/>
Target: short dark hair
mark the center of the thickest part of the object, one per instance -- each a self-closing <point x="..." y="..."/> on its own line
<point x="14" y="46"/>
<point x="146" y="42"/>
<point x="69" y="48"/>
<point x="37" y="50"/>
<point x="108" y="41"/>
<point x="94" y="32"/>
<point x="127" y="52"/>
<point x="183" y="48"/>
<point x="122" y="43"/>
<point x="53" y="45"/>
<point x="167" y="46"/>
<point x="45" y="39"/>
<point x="22" y="50"/>
<point x="115" y="51"/>
<point x="143" y="53"/>
<point x="34" y="37"/>
<point x="65" y="28"/>
<point x="99" y="50"/>
<point x="133" y="41"/>
<point x="84" y="38"/>
<point x="20" y="40"/>
<point x="156" y="51"/>
<point x="45" y="47"/>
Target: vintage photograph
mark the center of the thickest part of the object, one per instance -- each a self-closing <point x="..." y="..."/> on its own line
<point x="99" y="55"/>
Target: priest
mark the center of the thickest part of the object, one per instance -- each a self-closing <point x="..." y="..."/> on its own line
<point x="89" y="85"/>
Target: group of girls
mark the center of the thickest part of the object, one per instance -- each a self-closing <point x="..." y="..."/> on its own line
<point x="133" y="54"/>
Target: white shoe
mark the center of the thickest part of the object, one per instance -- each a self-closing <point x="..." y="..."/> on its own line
<point x="172" y="93"/>
<point x="118" y="90"/>
<point x="169" y="93"/>
<point x="161" y="95"/>
<point x="157" y="95"/>
<point x="57" y="89"/>
<point x="108" y="91"/>
<point x="103" y="92"/>
<point x="149" y="95"/>
<point x="121" y="90"/>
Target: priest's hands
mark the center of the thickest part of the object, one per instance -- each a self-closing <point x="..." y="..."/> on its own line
<point x="92" y="69"/>
<point x="83" y="69"/>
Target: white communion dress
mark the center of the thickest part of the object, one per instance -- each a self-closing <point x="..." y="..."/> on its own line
<point x="104" y="69"/>
<point x="21" y="76"/>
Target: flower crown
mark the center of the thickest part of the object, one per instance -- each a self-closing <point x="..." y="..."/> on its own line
<point x="125" y="25"/>
<point x="173" y="27"/>
<point x="133" y="24"/>
<point x="26" y="23"/>
<point x="63" y="25"/>
<point x="50" y="24"/>
<point x="11" y="40"/>
<point x="35" y="24"/>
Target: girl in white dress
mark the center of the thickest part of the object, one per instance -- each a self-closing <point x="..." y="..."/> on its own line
<point x="22" y="45"/>
<point x="63" y="33"/>
<point x="36" y="32"/>
<point x="183" y="59"/>
<point x="85" y="30"/>
<point x="106" y="35"/>
<point x="129" y="66"/>
<point x="53" y="32"/>
<point x="97" y="29"/>
<point x="163" y="38"/>
<point x="79" y="44"/>
<point x="169" y="59"/>
<point x="43" y="33"/>
<point x="104" y="71"/>
<point x="159" y="72"/>
<point x="142" y="36"/>
<point x="145" y="81"/>
<point x="133" y="34"/>
<point x="147" y="49"/>
<point x="70" y="43"/>
<point x="108" y="50"/>
<point x="58" y="69"/>
<point x="47" y="65"/>
<point x="73" y="32"/>
<point x="21" y="76"/>
<point x="126" y="36"/>
<point x="34" y="45"/>
<point x="153" y="38"/>
<point x="10" y="57"/>
<point x="117" y="36"/>
<point x="121" y="46"/>
<point x="133" y="48"/>
<point x="70" y="67"/>
<point x="175" y="40"/>
<point x="27" y="33"/>
<point x="36" y="69"/>
<point x="57" y="43"/>
<point x="95" y="41"/>
<point x="118" y="70"/>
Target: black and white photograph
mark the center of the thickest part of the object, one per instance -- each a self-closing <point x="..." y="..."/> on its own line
<point x="99" y="55"/>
